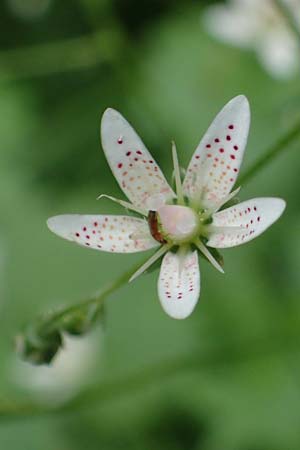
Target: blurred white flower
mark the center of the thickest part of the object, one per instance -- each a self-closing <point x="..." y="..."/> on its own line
<point x="69" y="371"/>
<point x="259" y="25"/>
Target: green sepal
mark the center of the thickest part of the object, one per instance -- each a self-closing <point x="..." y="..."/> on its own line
<point x="232" y="202"/>
<point x="82" y="320"/>
<point x="38" y="348"/>
<point x="217" y="255"/>
<point x="182" y="177"/>
<point x="214" y="252"/>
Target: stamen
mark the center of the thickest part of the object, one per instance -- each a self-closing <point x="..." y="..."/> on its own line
<point x="180" y="199"/>
<point x="150" y="261"/>
<point x="208" y="255"/>
<point x="125" y="204"/>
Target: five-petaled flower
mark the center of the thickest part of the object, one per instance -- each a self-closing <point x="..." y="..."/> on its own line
<point x="261" y="26"/>
<point x="179" y="224"/>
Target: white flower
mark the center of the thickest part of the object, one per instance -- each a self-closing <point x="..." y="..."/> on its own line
<point x="176" y="223"/>
<point x="259" y="25"/>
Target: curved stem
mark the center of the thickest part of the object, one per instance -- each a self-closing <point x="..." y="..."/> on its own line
<point x="50" y="322"/>
<point x="274" y="150"/>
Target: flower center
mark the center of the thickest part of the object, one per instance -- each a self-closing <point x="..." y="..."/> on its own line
<point x="174" y="223"/>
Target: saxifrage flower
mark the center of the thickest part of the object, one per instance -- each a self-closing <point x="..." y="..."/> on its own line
<point x="261" y="26"/>
<point x="179" y="224"/>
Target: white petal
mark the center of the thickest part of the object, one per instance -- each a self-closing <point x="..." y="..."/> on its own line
<point x="137" y="173"/>
<point x="279" y="53"/>
<point x="215" y="164"/>
<point x="179" y="284"/>
<point x="236" y="24"/>
<point x="244" y="222"/>
<point x="105" y="233"/>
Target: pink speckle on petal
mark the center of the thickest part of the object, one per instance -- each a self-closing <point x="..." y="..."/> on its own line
<point x="120" y="165"/>
<point x="231" y="127"/>
<point x="208" y="145"/>
<point x="221" y="150"/>
<point x="228" y="138"/>
<point x="232" y="156"/>
<point x="217" y="140"/>
<point x="235" y="147"/>
<point x="84" y="228"/>
<point x="77" y="234"/>
<point x="258" y="219"/>
<point x="120" y="140"/>
<point x="139" y="152"/>
<point x="128" y="153"/>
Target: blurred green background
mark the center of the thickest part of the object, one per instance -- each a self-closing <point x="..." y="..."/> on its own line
<point x="228" y="377"/>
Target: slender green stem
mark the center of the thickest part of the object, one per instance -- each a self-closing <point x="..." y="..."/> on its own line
<point x="288" y="15"/>
<point x="275" y="149"/>
<point x="50" y="322"/>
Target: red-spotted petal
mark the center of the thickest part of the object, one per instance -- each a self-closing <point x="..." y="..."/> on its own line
<point x="179" y="284"/>
<point x="215" y="164"/>
<point x="119" y="234"/>
<point x="131" y="163"/>
<point x="243" y="222"/>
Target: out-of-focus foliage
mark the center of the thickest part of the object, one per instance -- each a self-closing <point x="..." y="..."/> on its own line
<point x="154" y="62"/>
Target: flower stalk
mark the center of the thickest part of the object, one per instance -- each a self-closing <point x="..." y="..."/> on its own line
<point x="282" y="144"/>
<point x="43" y="338"/>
